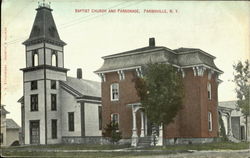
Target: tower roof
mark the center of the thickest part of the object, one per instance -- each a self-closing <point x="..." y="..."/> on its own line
<point x="44" y="27"/>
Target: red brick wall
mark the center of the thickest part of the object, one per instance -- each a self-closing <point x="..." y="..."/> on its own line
<point x="127" y="94"/>
<point x="192" y="120"/>
<point x="209" y="106"/>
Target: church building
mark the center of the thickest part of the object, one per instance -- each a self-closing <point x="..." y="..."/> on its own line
<point x="56" y="108"/>
<point x="196" y="122"/>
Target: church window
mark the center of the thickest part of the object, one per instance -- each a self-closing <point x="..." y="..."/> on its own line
<point x="115" y="118"/>
<point x="209" y="121"/>
<point x="71" y="121"/>
<point x="53" y="102"/>
<point x="114" y="90"/>
<point x="209" y="91"/>
<point x="53" y="84"/>
<point x="33" y="85"/>
<point x="34" y="102"/>
<point x="35" y="58"/>
<point x="54" y="58"/>
<point x="54" y="129"/>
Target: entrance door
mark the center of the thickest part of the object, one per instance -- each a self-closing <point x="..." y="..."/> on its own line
<point x="34" y="132"/>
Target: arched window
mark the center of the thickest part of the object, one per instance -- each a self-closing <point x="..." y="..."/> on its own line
<point x="34" y="58"/>
<point x="54" y="59"/>
<point x="209" y="91"/>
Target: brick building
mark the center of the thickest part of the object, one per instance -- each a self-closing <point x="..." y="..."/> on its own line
<point x="56" y="108"/>
<point x="196" y="122"/>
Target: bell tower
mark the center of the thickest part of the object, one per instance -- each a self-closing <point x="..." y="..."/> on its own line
<point x="44" y="68"/>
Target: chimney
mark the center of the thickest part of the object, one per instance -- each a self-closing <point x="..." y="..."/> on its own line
<point x="151" y="42"/>
<point x="79" y="73"/>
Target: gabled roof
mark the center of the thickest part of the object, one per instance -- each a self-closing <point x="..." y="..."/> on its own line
<point x="231" y="105"/>
<point x="82" y="87"/>
<point x="11" y="124"/>
<point x="228" y="104"/>
<point x="3" y="110"/>
<point x="21" y="100"/>
<point x="44" y="28"/>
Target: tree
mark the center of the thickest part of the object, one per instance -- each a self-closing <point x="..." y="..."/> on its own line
<point x="112" y="131"/>
<point x="161" y="92"/>
<point x="242" y="81"/>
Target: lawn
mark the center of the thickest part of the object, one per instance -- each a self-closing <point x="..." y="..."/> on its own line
<point x="72" y="147"/>
<point x="105" y="150"/>
<point x="208" y="146"/>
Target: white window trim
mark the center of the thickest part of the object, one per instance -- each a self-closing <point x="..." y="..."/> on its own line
<point x="210" y="120"/>
<point x="209" y="89"/>
<point x="111" y="92"/>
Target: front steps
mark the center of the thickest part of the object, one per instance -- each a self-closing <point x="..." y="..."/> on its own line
<point x="233" y="139"/>
<point x="144" y="141"/>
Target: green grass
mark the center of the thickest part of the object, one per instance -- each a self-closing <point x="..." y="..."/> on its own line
<point x="85" y="155"/>
<point x="42" y="150"/>
<point x="208" y="146"/>
<point x="72" y="147"/>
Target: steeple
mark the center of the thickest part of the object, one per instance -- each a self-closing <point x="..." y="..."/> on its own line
<point x="44" y="27"/>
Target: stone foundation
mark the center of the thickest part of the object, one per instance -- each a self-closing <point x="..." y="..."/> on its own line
<point x="92" y="140"/>
<point x="85" y="140"/>
<point x="173" y="141"/>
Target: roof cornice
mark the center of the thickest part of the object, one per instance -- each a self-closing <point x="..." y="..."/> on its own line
<point x="44" y="67"/>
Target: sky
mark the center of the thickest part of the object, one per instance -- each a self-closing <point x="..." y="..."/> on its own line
<point x="219" y="28"/>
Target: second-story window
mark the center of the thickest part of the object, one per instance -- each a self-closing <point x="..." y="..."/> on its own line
<point x="114" y="91"/>
<point x="53" y="102"/>
<point x="33" y="85"/>
<point x="34" y="58"/>
<point x="34" y="102"/>
<point x="54" y="58"/>
<point x="209" y="91"/>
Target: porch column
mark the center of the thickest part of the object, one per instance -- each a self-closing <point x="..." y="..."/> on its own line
<point x="229" y="124"/>
<point x="134" y="130"/>
<point x="146" y="125"/>
<point x="160" y="138"/>
<point x="142" y="124"/>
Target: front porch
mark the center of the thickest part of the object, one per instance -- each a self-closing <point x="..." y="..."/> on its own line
<point x="152" y="136"/>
